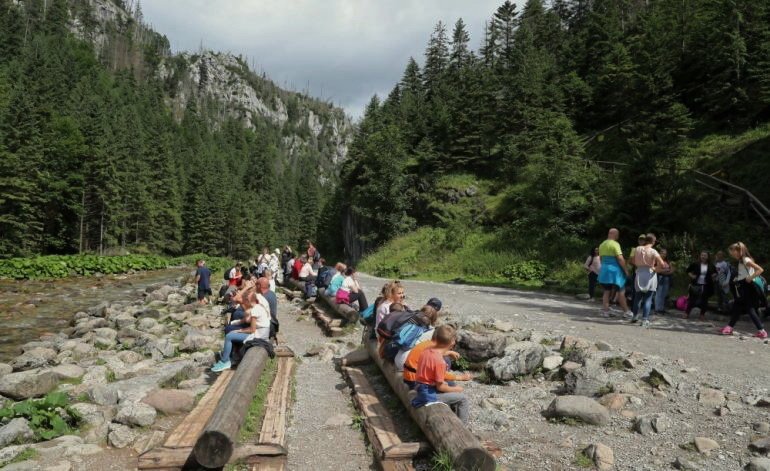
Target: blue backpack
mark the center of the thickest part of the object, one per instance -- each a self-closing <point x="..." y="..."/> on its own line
<point x="367" y="315"/>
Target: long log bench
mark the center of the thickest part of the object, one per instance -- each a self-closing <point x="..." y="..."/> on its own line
<point x="439" y="423"/>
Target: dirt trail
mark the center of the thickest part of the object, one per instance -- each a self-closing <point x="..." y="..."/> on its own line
<point x="320" y="435"/>
<point x="670" y="337"/>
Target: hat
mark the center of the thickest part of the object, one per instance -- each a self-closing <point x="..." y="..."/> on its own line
<point x="435" y="303"/>
<point x="278" y="251"/>
<point x="263" y="284"/>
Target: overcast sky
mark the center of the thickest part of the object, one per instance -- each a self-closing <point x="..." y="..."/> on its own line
<point x="346" y="50"/>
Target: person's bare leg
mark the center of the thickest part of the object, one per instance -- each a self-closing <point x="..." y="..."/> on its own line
<point x="623" y="301"/>
<point x="606" y="300"/>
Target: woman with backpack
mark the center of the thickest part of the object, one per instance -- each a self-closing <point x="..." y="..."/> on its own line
<point x="748" y="289"/>
<point x="350" y="291"/>
<point x="593" y="266"/>
<point x="394" y="293"/>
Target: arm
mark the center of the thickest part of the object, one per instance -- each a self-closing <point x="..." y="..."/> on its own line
<point x="757" y="270"/>
<point x="445" y="388"/>
<point x="587" y="265"/>
<point x="252" y="327"/>
<point x="691" y="272"/>
<point x="622" y="263"/>
<point x="659" y="265"/>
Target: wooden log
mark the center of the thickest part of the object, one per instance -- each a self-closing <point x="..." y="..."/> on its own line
<point x="439" y="423"/>
<point x="277" y="405"/>
<point x="331" y="327"/>
<point x="357" y="357"/>
<point x="343" y="310"/>
<point x="216" y="444"/>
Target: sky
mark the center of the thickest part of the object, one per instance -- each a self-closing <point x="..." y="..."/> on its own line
<point x="341" y="50"/>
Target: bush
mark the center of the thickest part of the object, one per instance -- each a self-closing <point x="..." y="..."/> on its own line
<point x="530" y="270"/>
<point x="49" y="417"/>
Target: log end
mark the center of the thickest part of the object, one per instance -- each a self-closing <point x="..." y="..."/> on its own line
<point x="213" y="449"/>
<point x="475" y="459"/>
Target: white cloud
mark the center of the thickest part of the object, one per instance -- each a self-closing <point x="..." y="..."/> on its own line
<point x="346" y="50"/>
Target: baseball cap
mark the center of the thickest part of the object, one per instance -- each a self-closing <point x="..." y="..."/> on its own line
<point x="435" y="303"/>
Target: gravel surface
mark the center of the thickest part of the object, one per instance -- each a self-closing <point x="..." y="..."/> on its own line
<point x="511" y="415"/>
<point x="320" y="434"/>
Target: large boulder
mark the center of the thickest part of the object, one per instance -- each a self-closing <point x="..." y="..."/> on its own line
<point x="36" y="357"/>
<point x="478" y="347"/>
<point x="136" y="413"/>
<point x="16" y="431"/>
<point x="103" y="395"/>
<point x="587" y="381"/>
<point x="758" y="464"/>
<point x="601" y="455"/>
<point x="578" y="407"/>
<point x="170" y="401"/>
<point x="146" y="324"/>
<point x="161" y="294"/>
<point x="520" y="358"/>
<point x="68" y="372"/>
<point x="195" y="341"/>
<point x="26" y="384"/>
<point x="97" y="418"/>
<point x="5" y="369"/>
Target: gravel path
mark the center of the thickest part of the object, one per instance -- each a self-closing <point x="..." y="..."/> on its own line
<point x="320" y="435"/>
<point x="670" y="337"/>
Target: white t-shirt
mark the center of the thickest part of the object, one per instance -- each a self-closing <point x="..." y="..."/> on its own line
<point x="261" y="313"/>
<point x="349" y="284"/>
<point x="307" y="270"/>
<point x="744" y="271"/>
<point x="704" y="268"/>
<point x="382" y="310"/>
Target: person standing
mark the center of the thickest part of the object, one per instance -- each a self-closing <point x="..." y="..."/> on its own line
<point x="702" y="276"/>
<point x="724" y="275"/>
<point x="613" y="273"/>
<point x="593" y="266"/>
<point x="665" y="277"/>
<point x="203" y="280"/>
<point x="647" y="261"/>
<point x="747" y="291"/>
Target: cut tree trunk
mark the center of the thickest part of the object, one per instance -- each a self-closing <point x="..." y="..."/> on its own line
<point x="216" y="444"/>
<point x="439" y="423"/>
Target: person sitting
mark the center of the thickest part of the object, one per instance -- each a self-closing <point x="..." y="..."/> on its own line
<point x="325" y="274"/>
<point x="235" y="275"/>
<point x="298" y="264"/>
<point x="271" y="278"/>
<point x="350" y="291"/>
<point x="430" y="379"/>
<point x="337" y="280"/>
<point x="287" y="261"/>
<point x="411" y="336"/>
<point x="393" y="293"/>
<point x="256" y="325"/>
<point x="263" y="285"/>
<point x="307" y="273"/>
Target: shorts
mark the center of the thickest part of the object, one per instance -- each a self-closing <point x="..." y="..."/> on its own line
<point x="203" y="292"/>
<point x="610" y="287"/>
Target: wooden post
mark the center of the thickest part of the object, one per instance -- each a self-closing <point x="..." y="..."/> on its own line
<point x="216" y="444"/>
<point x="439" y="423"/>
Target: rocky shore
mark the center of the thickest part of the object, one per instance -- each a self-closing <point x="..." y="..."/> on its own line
<point x="127" y="368"/>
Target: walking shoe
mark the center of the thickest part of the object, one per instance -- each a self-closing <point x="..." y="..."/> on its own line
<point x="605" y="314"/>
<point x="727" y="330"/>
<point x="646" y="324"/>
<point x="628" y="314"/>
<point x="762" y="334"/>
<point x="635" y="319"/>
<point x="220" y="366"/>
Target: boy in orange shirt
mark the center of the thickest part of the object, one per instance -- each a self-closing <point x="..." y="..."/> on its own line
<point x="431" y="385"/>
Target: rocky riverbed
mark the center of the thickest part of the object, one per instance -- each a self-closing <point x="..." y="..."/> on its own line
<point x="131" y="369"/>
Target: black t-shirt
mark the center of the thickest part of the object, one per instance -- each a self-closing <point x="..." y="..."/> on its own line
<point x="205" y="278"/>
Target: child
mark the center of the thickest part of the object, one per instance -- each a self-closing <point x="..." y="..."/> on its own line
<point x="747" y="292"/>
<point x="431" y="385"/>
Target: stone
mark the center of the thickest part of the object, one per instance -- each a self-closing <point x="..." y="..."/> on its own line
<point x="578" y="407"/>
<point x="104" y="343"/>
<point x="130" y="357"/>
<point x="496" y="403"/>
<point x="552" y="362"/>
<point x="26" y="384"/>
<point x="195" y="341"/>
<point x="480" y="347"/>
<point x="570" y="366"/>
<point x="161" y="293"/>
<point x="758" y="464"/>
<point x="661" y="376"/>
<point x="148" y="313"/>
<point x="103" y="395"/>
<point x="106" y="332"/>
<point x="761" y="427"/>
<point x="587" y="381"/>
<point x="175" y="299"/>
<point x="34" y="358"/>
<point x="604" y="347"/>
<point x="97" y="418"/>
<point x="16" y="431"/>
<point x="685" y="464"/>
<point x="5" y="369"/>
<point x="160" y="349"/>
<point x="764" y="402"/>
<point x="601" y="455"/>
<point x="614" y="401"/>
<point x="148" y="441"/>
<point x="338" y="420"/>
<point x="761" y="445"/>
<point x="628" y="387"/>
<point x="62" y="466"/>
<point x="170" y="401"/>
<point x="705" y="445"/>
<point x="138" y="414"/>
<point x="9" y="453"/>
<point x="502" y="326"/>
<point x="124" y="320"/>
<point x="85" y="449"/>
<point x="204" y="358"/>
<point x="711" y="397"/>
<point x="68" y="372"/>
<point x="652" y="423"/>
<point x="583" y="297"/>
<point x="121" y="436"/>
<point x="520" y="358"/>
<point x="146" y="324"/>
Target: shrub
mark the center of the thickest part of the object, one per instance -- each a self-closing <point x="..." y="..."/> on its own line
<point x="49" y="417"/>
<point x="530" y="270"/>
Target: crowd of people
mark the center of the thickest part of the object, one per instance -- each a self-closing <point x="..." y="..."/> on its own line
<point x="645" y="279"/>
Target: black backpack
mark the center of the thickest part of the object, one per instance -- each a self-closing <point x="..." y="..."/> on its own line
<point x="227" y="273"/>
<point x="325" y="275"/>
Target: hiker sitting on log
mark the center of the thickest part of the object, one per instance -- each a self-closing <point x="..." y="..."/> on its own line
<point x="351" y="292"/>
<point x="431" y="382"/>
<point x="307" y="273"/>
<point x="412" y="334"/>
<point x="336" y="282"/>
<point x="254" y="325"/>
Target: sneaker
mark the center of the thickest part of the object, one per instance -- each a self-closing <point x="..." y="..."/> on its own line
<point x="220" y="366"/>
<point x="635" y="319"/>
<point x="646" y="324"/>
<point x="605" y="313"/>
<point x="762" y="334"/>
<point x="628" y="315"/>
<point x="726" y="330"/>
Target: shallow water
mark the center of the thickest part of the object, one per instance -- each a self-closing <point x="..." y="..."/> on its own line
<point x="29" y="309"/>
